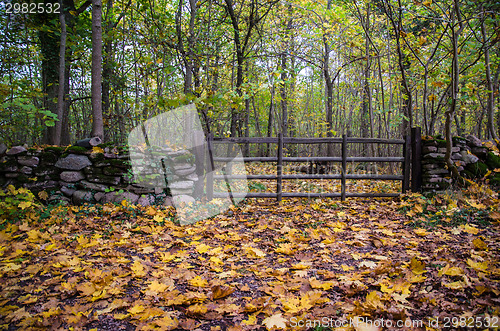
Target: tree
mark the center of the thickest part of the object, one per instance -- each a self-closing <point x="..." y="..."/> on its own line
<point x="97" y="123"/>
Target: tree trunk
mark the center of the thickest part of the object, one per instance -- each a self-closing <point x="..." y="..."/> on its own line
<point x="97" y="124"/>
<point x="62" y="70"/>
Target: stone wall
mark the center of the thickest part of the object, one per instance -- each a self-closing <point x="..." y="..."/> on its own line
<point x="472" y="157"/>
<point x="104" y="174"/>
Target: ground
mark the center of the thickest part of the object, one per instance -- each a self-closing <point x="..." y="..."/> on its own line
<point x="315" y="264"/>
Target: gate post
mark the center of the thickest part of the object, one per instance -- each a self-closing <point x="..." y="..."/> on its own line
<point x="416" y="155"/>
<point x="406" y="164"/>
<point x="344" y="166"/>
<point x="279" y="188"/>
<point x="210" y="167"/>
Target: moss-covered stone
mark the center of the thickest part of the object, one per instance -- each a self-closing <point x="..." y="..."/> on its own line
<point x="459" y="140"/>
<point x="54" y="149"/>
<point x="439" y="137"/>
<point x="96" y="157"/>
<point x="48" y="157"/>
<point x="112" y="171"/>
<point x="493" y="161"/>
<point x="441" y="142"/>
<point x="185" y="158"/>
<point x="76" y="150"/>
<point x="495" y="179"/>
<point x="478" y="169"/>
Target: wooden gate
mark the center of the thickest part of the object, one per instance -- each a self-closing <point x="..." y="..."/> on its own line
<point x="410" y="161"/>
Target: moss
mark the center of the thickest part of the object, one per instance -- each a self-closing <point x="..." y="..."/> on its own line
<point x="76" y="149"/>
<point x="112" y="171"/>
<point x="120" y="163"/>
<point x="187" y="158"/>
<point x="441" y="142"/>
<point x="493" y="161"/>
<point x="47" y="157"/>
<point x="96" y="157"/>
<point x="478" y="169"/>
<point x="495" y="179"/>
<point x="468" y="174"/>
<point x="439" y="137"/>
<point x="459" y="140"/>
<point x="54" y="149"/>
<point x="32" y="150"/>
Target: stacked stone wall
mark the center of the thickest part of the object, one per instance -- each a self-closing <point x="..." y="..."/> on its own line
<point x="473" y="158"/>
<point x="77" y="175"/>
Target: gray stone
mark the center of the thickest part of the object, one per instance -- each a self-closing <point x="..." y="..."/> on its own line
<point x="26" y="170"/>
<point x="469" y="158"/>
<point x="185" y="172"/>
<point x="480" y="151"/>
<point x="193" y="177"/>
<point x="179" y="199"/>
<point x="433" y="156"/>
<point x="43" y="185"/>
<point x="119" y="197"/>
<point x="438" y="171"/>
<point x="80" y="197"/>
<point x="103" y="179"/>
<point x="456" y="156"/>
<point x="72" y="176"/>
<point x="146" y="201"/>
<point x="10" y="168"/>
<point x="57" y="198"/>
<point x="92" y="186"/>
<point x="12" y="175"/>
<point x="182" y="185"/>
<point x="45" y="171"/>
<point x="73" y="162"/>
<point x="430" y="166"/>
<point x="183" y="166"/>
<point x="112" y="171"/>
<point x="67" y="191"/>
<point x="435" y="180"/>
<point x="30" y="161"/>
<point x="474" y="141"/>
<point x="16" y="150"/>
<point x="429" y="149"/>
<point x="3" y="148"/>
<point x="98" y="196"/>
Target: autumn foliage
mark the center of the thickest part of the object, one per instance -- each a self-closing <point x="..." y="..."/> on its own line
<point x="261" y="265"/>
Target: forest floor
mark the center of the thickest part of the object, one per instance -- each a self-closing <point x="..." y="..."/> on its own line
<point x="364" y="264"/>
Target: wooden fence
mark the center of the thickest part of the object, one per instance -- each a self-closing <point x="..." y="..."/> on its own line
<point x="410" y="161"/>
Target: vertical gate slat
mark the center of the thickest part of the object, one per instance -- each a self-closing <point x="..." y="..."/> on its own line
<point x="279" y="188"/>
<point x="210" y="167"/>
<point x="344" y="167"/>
<point x="416" y="155"/>
<point x="406" y="164"/>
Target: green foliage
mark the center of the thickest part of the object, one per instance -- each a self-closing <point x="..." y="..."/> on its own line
<point x="16" y="204"/>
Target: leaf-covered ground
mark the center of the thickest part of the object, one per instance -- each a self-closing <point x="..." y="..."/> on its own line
<point x="262" y="265"/>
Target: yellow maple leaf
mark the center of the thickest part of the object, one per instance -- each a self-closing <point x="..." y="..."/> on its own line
<point x="478" y="266"/>
<point x="86" y="288"/>
<point x="24" y="204"/>
<point x="317" y="284"/>
<point x="458" y="285"/>
<point x="417" y="266"/>
<point x="421" y="232"/>
<point x="43" y="195"/>
<point x="274" y="321"/>
<point x="202" y="248"/>
<point x="120" y="316"/>
<point x="286" y="249"/>
<point x="157" y="287"/>
<point x="451" y="271"/>
<point x="97" y="149"/>
<point x="479" y="244"/>
<point x="198" y="282"/>
<point x="167" y="323"/>
<point x="138" y="269"/>
<point x="197" y="309"/>
<point x="219" y="292"/>
<point x="373" y="300"/>
<point x="137" y="309"/>
<point x="470" y="229"/>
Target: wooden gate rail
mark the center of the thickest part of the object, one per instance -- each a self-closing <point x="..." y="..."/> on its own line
<point x="279" y="159"/>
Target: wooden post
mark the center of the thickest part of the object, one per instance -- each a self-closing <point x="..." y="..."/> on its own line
<point x="416" y="159"/>
<point x="279" y="191"/>
<point x="344" y="166"/>
<point x="406" y="164"/>
<point x="199" y="154"/>
<point x="210" y="167"/>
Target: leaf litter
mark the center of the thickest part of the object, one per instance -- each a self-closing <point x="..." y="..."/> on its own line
<point x="261" y="265"/>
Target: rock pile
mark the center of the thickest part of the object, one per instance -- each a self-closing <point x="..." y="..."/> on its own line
<point x="472" y="157"/>
<point x="76" y="175"/>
